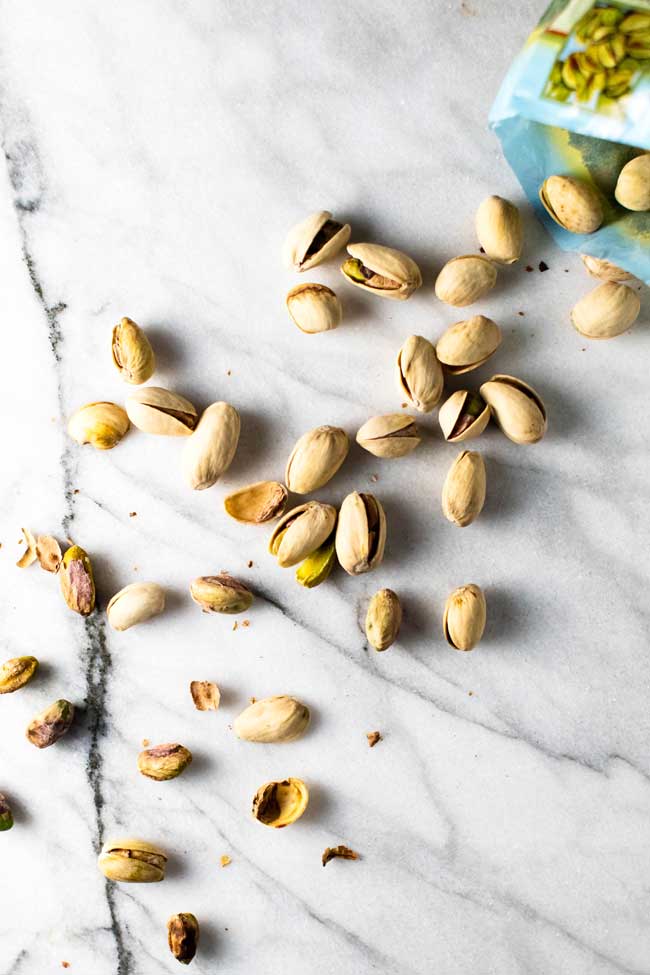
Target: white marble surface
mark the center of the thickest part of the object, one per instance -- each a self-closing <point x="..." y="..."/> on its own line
<point x="156" y="154"/>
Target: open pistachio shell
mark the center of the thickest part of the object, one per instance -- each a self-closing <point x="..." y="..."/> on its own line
<point x="465" y="279"/>
<point x="463" y="416"/>
<point x="135" y="604"/>
<point x="157" y="410"/>
<point x="273" y="719"/>
<point x="392" y="435"/>
<point x="301" y="531"/>
<point x="101" y="424"/>
<point x="164" y="762"/>
<point x="132" y="353"/>
<point x="516" y="407"/>
<point x="572" y="203"/>
<point x="463" y="493"/>
<point x="468" y="344"/>
<point x="313" y="240"/>
<point x="360" y="533"/>
<point x="257" y="503"/>
<point x="210" y="450"/>
<point x="419" y="373"/>
<point x="314" y="308"/>
<point x="279" y="804"/>
<point x="607" y="311"/>
<point x="499" y="231"/>
<point x="132" y="861"/>
<point x="597" y="267"/>
<point x="633" y="184"/>
<point x="316" y="458"/>
<point x="382" y="271"/>
<point x="464" y="617"/>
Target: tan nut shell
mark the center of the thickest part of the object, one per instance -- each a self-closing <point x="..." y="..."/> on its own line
<point x="300" y="531"/>
<point x="383" y="619"/>
<point x="463" y="493"/>
<point x="464" y="617"/>
<point x="316" y="458"/>
<point x="132" y="352"/>
<point x="159" y="411"/>
<point x="499" y="230"/>
<point x="468" y="344"/>
<point x="221" y="594"/>
<point x="465" y="279"/>
<point x="572" y="203"/>
<point x="273" y="719"/>
<point x="135" y="604"/>
<point x="419" y="373"/>
<point x="451" y="411"/>
<point x="314" y="308"/>
<point x="633" y="184"/>
<point x="516" y="407"/>
<point x="389" y="263"/>
<point x="210" y="450"/>
<point x="360" y="533"/>
<point x="301" y="237"/>
<point x="120" y="860"/>
<point x="392" y="435"/>
<point x="279" y="804"/>
<point x="257" y="503"/>
<point x="597" y="267"/>
<point x="607" y="311"/>
<point x="101" y="424"/>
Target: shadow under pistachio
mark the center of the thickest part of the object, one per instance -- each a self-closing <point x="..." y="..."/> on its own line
<point x="210" y="945"/>
<point x="167" y="347"/>
<point x="255" y="450"/>
<point x="504" y="616"/>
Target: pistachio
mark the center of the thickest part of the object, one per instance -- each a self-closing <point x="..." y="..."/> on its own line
<point x="76" y="579"/>
<point x="48" y="553"/>
<point x="101" y="424"/>
<point x="607" y="311"/>
<point x="499" y="231"/>
<point x="605" y="270"/>
<point x="221" y="594"/>
<point x="464" y="617"/>
<point x="301" y="531"/>
<point x="164" y="762"/>
<point x="314" y="240"/>
<point x="468" y="344"/>
<point x="51" y="724"/>
<point x="516" y="407"/>
<point x="205" y="694"/>
<point x="392" y="435"/>
<point x="257" y="503"/>
<point x="132" y="353"/>
<point x="314" y="308"/>
<point x="6" y="815"/>
<point x="383" y="619"/>
<point x="157" y="410"/>
<point x="279" y="804"/>
<point x="419" y="373"/>
<point x="361" y="533"/>
<point x="572" y="203"/>
<point x="29" y="555"/>
<point x="382" y="271"/>
<point x="273" y="719"/>
<point x="633" y="184"/>
<point x="210" y="449"/>
<point x="183" y="937"/>
<point x="135" y="604"/>
<point x="634" y="23"/>
<point x="316" y="458"/>
<point x="318" y="566"/>
<point x="131" y="861"/>
<point x="465" y="279"/>
<point x="463" y="493"/>
<point x="17" y="672"/>
<point x="463" y="416"/>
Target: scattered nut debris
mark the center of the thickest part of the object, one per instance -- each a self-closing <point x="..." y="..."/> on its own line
<point x="522" y="313"/>
<point x="225" y="860"/>
<point x="133" y="514"/>
<point x="252" y="700"/>
<point x="235" y="625"/>
<point x="373" y="737"/>
<point x="543" y="266"/>
<point x="48" y="552"/>
<point x="65" y="964"/>
<point x="246" y="623"/>
<point x="338" y="851"/>
<point x="404" y="405"/>
<point x="529" y="268"/>
<point x="374" y="478"/>
<point x="228" y="372"/>
<point x="482" y="250"/>
<point x="76" y="491"/>
<point x="145" y="742"/>
<point x="250" y="563"/>
<point x="471" y="693"/>
<point x="205" y="694"/>
<point x="29" y="555"/>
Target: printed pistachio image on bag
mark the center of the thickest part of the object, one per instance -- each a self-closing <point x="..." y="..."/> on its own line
<point x="576" y="103"/>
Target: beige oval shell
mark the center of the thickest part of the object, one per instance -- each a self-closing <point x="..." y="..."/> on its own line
<point x="273" y="719"/>
<point x="465" y="279"/>
<point x="517" y="408"/>
<point x="391" y="435"/>
<point x="118" y="862"/>
<point x="468" y="344"/>
<point x="607" y="311"/>
<point x="383" y="619"/>
<point x="360" y="533"/>
<point x="398" y="274"/>
<point x="419" y="373"/>
<point x="101" y="424"/>
<point x="314" y="308"/>
<point x="597" y="267"/>
<point x="499" y="230"/>
<point x="135" y="604"/>
<point x="633" y="184"/>
<point x="572" y="203"/>
<point x="159" y="411"/>
<point x="464" y="617"/>
<point x="456" y="424"/>
<point x="210" y="450"/>
<point x="463" y="493"/>
<point x="300" y="532"/>
<point x="313" y="240"/>
<point x="133" y="356"/>
<point x="316" y="458"/>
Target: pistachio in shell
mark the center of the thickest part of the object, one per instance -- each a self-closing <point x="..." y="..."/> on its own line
<point x="279" y="804"/>
<point x="499" y="230"/>
<point x="6" y="815"/>
<point x="463" y="493"/>
<point x="17" y="672"/>
<point x="257" y="503"/>
<point x="51" y="724"/>
<point x="382" y="271"/>
<point x="313" y="240"/>
<point x="100" y="424"/>
<point x="573" y="203"/>
<point x="273" y="719"/>
<point x="221" y="594"/>
<point x="153" y="409"/>
<point x="597" y="267"/>
<point x="607" y="311"/>
<point x="318" y="566"/>
<point x="392" y="435"/>
<point x="419" y="373"/>
<point x="130" y="861"/>
<point x="209" y="451"/>
<point x="164" y="762"/>
<point x="136" y="603"/>
<point x="463" y="416"/>
<point x="316" y="458"/>
<point x="301" y="531"/>
<point x="468" y="344"/>
<point x="383" y="619"/>
<point x="465" y="279"/>
<point x="464" y="617"/>
<point x="633" y="184"/>
<point x="183" y="937"/>
<point x="314" y="308"/>
<point x="360" y="533"/>
<point x="132" y="353"/>
<point x="517" y="408"/>
<point x="76" y="581"/>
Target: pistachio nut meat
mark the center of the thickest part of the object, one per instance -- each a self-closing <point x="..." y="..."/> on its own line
<point x="314" y="240"/>
<point x="382" y="271"/>
<point x="607" y="311"/>
<point x="76" y="581"/>
<point x="314" y="308"/>
<point x="499" y="230"/>
<point x="51" y="724"/>
<point x="573" y="203"/>
<point x="132" y="861"/>
<point x="133" y="356"/>
<point x="6" y="815"/>
<point x="273" y="719"/>
<point x="301" y="531"/>
<point x="383" y="619"/>
<point x="183" y="937"/>
<point x="392" y="435"/>
<point x="100" y="424"/>
<point x="360" y="533"/>
<point x="463" y="493"/>
<point x="257" y="503"/>
<point x="279" y="804"/>
<point x="17" y="672"/>
<point x="134" y="604"/>
<point x="153" y="409"/>
<point x="604" y="270"/>
<point x="517" y="408"/>
<point x="464" y="617"/>
<point x="318" y="566"/>
<point x="316" y="458"/>
<point x="164" y="762"/>
<point x="221" y="594"/>
<point x="468" y="344"/>
<point x="633" y="184"/>
<point x="463" y="416"/>
<point x="419" y="373"/>
<point x="465" y="279"/>
<point x="209" y="451"/>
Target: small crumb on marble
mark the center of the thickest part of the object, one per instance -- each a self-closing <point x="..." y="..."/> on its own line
<point x="344" y="852"/>
<point x="374" y="478"/>
<point x="252" y="700"/>
<point x="228" y="372"/>
<point x="235" y="625"/>
<point x="65" y="964"/>
<point x="522" y="313"/>
<point x="246" y="623"/>
<point x="482" y="250"/>
<point x="404" y="405"/>
<point x="136" y="568"/>
<point x="471" y="693"/>
<point x="543" y="266"/>
<point x="145" y="742"/>
<point x="373" y="737"/>
<point x="250" y="563"/>
<point x="529" y="267"/>
<point x="133" y="514"/>
<point x="225" y="860"/>
<point x="76" y="491"/>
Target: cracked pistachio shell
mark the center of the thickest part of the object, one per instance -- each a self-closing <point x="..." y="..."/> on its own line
<point x="516" y="407"/>
<point x="6" y="815"/>
<point x="360" y="533"/>
<point x="392" y="435"/>
<point x="463" y="416"/>
<point x="273" y="719"/>
<point x="499" y="231"/>
<point x="314" y="308"/>
<point x="257" y="503"/>
<point x="221" y="594"/>
<point x="132" y="861"/>
<point x="313" y="240"/>
<point x="132" y="353"/>
<point x="209" y="451"/>
<point x="383" y="619"/>
<point x="468" y="344"/>
<point x="318" y="566"/>
<point x="463" y="493"/>
<point x="419" y="373"/>
<point x="316" y="458"/>
<point x="164" y="762"/>
<point x="464" y="617"/>
<point x="382" y="271"/>
<point x="279" y="804"/>
<point x="301" y="531"/>
<point x="633" y="184"/>
<point x="465" y="279"/>
<point x="17" y="672"/>
<point x="607" y="311"/>
<point x="157" y="410"/>
<point x="135" y="604"/>
<point x="100" y="424"/>
<point x="51" y="724"/>
<point x="572" y="203"/>
<point x="76" y="581"/>
<point x="183" y="937"/>
<point x="605" y="270"/>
